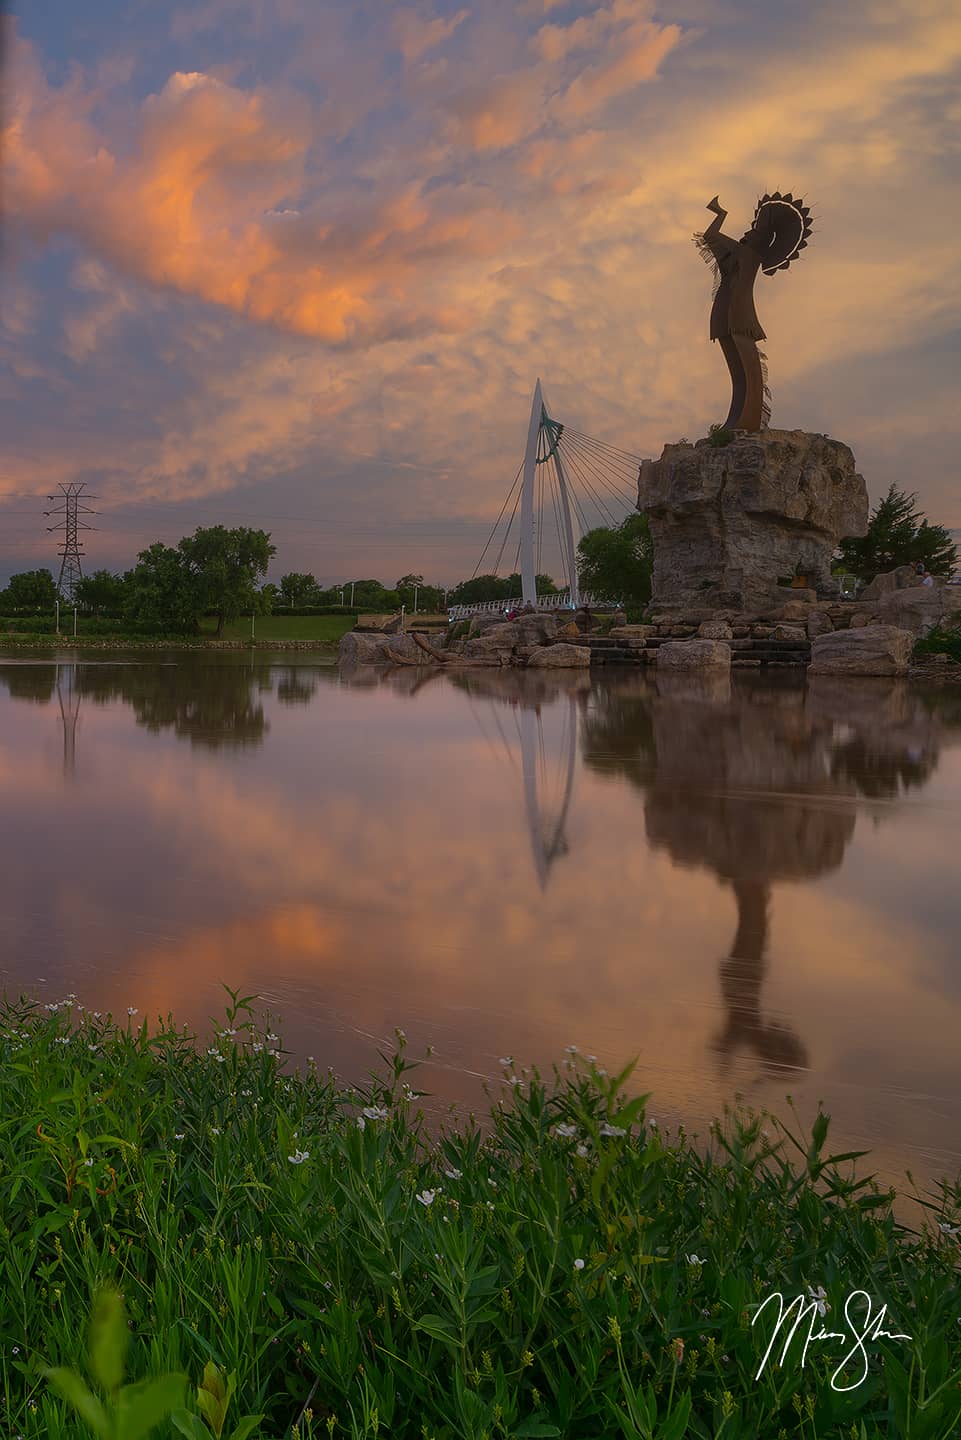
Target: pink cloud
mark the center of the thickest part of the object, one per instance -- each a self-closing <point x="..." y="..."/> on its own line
<point x="415" y="35"/>
<point x="194" y="207"/>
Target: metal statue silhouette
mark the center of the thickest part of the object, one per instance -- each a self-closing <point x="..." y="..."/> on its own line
<point x="778" y="234"/>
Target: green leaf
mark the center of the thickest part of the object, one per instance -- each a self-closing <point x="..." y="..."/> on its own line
<point x="529" y="1429"/>
<point x="141" y="1407"/>
<point x="190" y="1425"/>
<point x="109" y="1338"/>
<point x="628" y="1070"/>
<point x="245" y="1427"/>
<point x="626" y="1115"/>
<point x="436" y="1326"/>
<point x="675" y="1426"/>
<point x="73" y="1390"/>
<point x="600" y="1175"/>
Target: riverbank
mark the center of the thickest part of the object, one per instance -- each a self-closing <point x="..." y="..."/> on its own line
<point x="91" y="642"/>
<point x="569" y="1270"/>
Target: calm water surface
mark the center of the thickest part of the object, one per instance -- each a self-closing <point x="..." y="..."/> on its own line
<point x="754" y="885"/>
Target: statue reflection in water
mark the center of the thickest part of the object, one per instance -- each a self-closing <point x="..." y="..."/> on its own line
<point x="760" y="783"/>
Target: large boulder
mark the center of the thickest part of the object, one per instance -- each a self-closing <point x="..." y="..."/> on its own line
<point x="818" y="623"/>
<point x="631" y="632"/>
<point x="715" y="630"/>
<point x="905" y="577"/>
<point x="867" y="650"/>
<point x="560" y="657"/>
<point x="693" y="655"/>
<point x="359" y="648"/>
<point x="407" y="648"/>
<point x="921" y="607"/>
<point x="728" y="521"/>
<point x="494" y="640"/>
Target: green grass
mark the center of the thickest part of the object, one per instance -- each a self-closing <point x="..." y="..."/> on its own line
<point x="300" y="1259"/>
<point x="281" y="627"/>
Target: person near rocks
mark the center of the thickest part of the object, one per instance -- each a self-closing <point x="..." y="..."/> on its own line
<point x="928" y="579"/>
<point x="777" y="235"/>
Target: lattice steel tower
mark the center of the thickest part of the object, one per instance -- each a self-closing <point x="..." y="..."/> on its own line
<point x="71" y="551"/>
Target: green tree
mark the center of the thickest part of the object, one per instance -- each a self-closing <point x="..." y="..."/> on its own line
<point x="298" y="588"/>
<point x="370" y="595"/>
<point x="101" y="592"/>
<point x="427" y="598"/>
<point x="225" y="565"/>
<point x="161" y="590"/>
<point x="898" y="534"/>
<point x="616" y="564"/>
<point x="30" y="590"/>
<point x="478" y="590"/>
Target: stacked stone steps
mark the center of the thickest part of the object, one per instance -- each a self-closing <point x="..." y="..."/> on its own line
<point x="746" y="652"/>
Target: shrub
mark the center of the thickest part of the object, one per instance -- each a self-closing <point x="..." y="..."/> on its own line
<point x="941" y="641"/>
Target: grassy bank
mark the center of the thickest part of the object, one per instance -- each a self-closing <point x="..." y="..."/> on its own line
<point x="285" y="627"/>
<point x="309" y="1258"/>
<point x="321" y="630"/>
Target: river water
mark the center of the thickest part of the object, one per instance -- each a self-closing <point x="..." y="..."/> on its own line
<point x="752" y="885"/>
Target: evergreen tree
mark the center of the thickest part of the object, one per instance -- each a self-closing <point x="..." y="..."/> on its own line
<point x="898" y="534"/>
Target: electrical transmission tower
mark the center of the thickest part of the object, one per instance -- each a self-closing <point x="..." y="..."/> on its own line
<point x="71" y="570"/>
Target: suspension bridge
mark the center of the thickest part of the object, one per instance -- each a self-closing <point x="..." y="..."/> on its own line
<point x="579" y="482"/>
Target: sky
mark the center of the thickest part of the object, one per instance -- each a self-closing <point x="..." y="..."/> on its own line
<point x="298" y="265"/>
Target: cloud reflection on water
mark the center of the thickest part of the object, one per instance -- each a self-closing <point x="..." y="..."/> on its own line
<point x="364" y="850"/>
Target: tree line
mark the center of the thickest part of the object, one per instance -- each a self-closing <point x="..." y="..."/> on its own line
<point x="220" y="571"/>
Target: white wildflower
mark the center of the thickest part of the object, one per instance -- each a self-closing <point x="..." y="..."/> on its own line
<point x="132" y="1010"/>
<point x="427" y="1198"/>
<point x="375" y="1112"/>
<point x="582" y="1151"/>
<point x="578" y="1264"/>
<point x="693" y="1259"/>
<point x="453" y="1174"/>
<point x="565" y="1130"/>
<point x="818" y="1296"/>
<point x="298" y="1157"/>
<point x="361" y="1123"/>
<point x="612" y="1129"/>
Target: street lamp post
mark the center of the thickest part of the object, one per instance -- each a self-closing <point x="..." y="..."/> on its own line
<point x="58" y="614"/>
<point x="75" y="622"/>
<point x="341" y="596"/>
<point x="415" y="599"/>
<point x="352" y="594"/>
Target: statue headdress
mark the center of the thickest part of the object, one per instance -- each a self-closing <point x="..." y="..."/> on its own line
<point x="790" y="226"/>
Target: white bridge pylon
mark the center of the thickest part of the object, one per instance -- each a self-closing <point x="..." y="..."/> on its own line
<point x="543" y="434"/>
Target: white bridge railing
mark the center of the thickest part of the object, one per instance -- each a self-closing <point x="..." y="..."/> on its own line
<point x="544" y="602"/>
